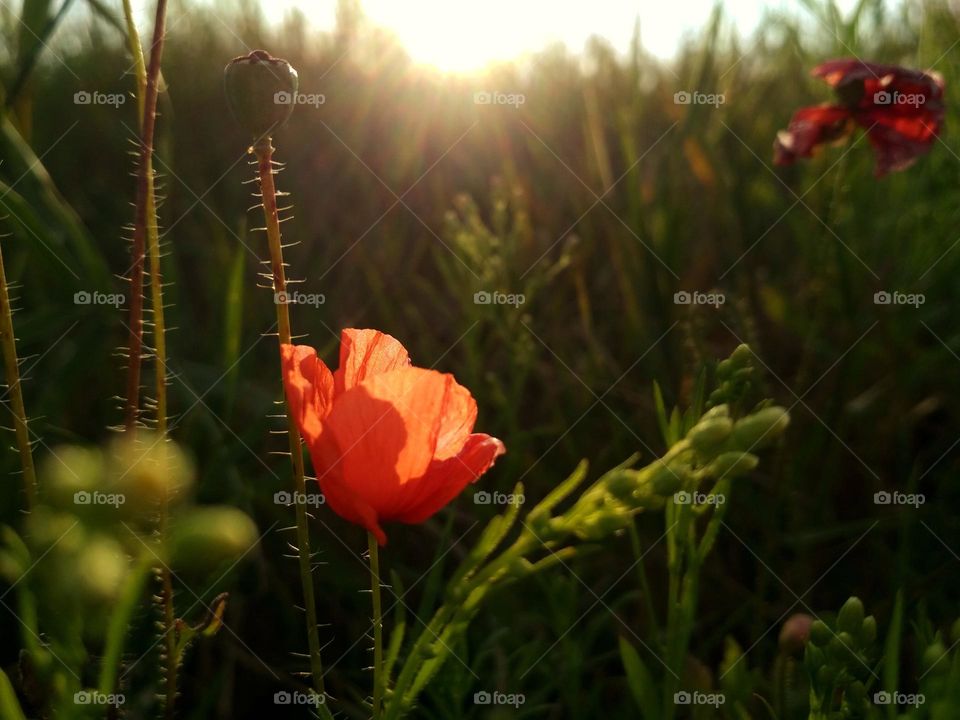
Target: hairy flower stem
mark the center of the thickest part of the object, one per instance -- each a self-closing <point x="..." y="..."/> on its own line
<point x="159" y="326"/>
<point x="264" y="152"/>
<point x="143" y="205"/>
<point x="377" y="627"/>
<point x="12" y="369"/>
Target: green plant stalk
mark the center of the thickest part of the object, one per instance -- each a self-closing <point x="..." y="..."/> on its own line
<point x="377" y="626"/>
<point x="160" y="344"/>
<point x="143" y="205"/>
<point x="12" y="370"/>
<point x="264" y="152"/>
<point x="119" y="622"/>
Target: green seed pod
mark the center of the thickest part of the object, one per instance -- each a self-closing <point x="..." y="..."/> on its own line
<point x="850" y="618"/>
<point x="146" y="472"/>
<point x="204" y="538"/>
<point x="856" y="693"/>
<point x="622" y="484"/>
<point x="261" y="91"/>
<point x="733" y="464"/>
<point x="868" y="631"/>
<point x="667" y="479"/>
<point x="760" y="429"/>
<point x="820" y="634"/>
<point x="708" y="435"/>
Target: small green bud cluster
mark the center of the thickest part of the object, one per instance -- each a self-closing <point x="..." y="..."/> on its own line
<point x="716" y="448"/>
<point x="838" y="660"/>
<point x="734" y="376"/>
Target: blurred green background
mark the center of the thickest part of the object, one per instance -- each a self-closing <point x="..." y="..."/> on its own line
<point x="598" y="198"/>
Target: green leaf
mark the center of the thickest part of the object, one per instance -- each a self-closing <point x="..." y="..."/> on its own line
<point x="9" y="707"/>
<point x="640" y="681"/>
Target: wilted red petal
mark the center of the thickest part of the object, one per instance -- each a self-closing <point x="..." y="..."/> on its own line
<point x="308" y="384"/>
<point x="810" y="128"/>
<point x="364" y="353"/>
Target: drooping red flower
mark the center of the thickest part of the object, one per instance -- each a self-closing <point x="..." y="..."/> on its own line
<point x="388" y="441"/>
<point x="901" y="110"/>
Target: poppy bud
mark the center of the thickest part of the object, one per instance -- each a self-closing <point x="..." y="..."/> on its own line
<point x="260" y="91"/>
<point x="100" y="569"/>
<point x="761" y="428"/>
<point x="204" y="538"/>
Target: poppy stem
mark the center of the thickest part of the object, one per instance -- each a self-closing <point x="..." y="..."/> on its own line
<point x="377" y="626"/>
<point x="264" y="152"/>
<point x="12" y="366"/>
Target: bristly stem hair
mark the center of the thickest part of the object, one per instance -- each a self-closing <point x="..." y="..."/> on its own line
<point x="143" y="206"/>
<point x="147" y="98"/>
<point x="12" y="370"/>
<point x="263" y="149"/>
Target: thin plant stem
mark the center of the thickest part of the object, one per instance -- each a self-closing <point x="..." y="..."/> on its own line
<point x="377" y="626"/>
<point x="159" y="325"/>
<point x="12" y="369"/>
<point x="644" y="584"/>
<point x="144" y="184"/>
<point x="264" y="152"/>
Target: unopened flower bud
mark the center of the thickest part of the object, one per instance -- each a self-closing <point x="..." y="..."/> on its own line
<point x="795" y="633"/>
<point x="850" y="618"/>
<point x="260" y="91"/>
<point x="708" y="435"/>
<point x="204" y="538"/>
<point x="760" y="429"/>
<point x="732" y="464"/>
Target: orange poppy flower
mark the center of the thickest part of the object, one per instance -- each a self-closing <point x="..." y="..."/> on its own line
<point x="389" y="441"/>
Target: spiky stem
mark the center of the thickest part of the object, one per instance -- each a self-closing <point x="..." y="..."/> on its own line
<point x="159" y="326"/>
<point x="377" y="626"/>
<point x="264" y="152"/>
<point x="144" y="184"/>
<point x="12" y="369"/>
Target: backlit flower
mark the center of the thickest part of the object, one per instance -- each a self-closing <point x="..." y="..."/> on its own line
<point x="389" y="441"/>
<point x="901" y="110"/>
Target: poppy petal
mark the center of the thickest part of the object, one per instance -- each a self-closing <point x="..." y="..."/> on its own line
<point x="447" y="478"/>
<point x="810" y="128"/>
<point x="365" y="353"/>
<point x="386" y="431"/>
<point x="308" y="384"/>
